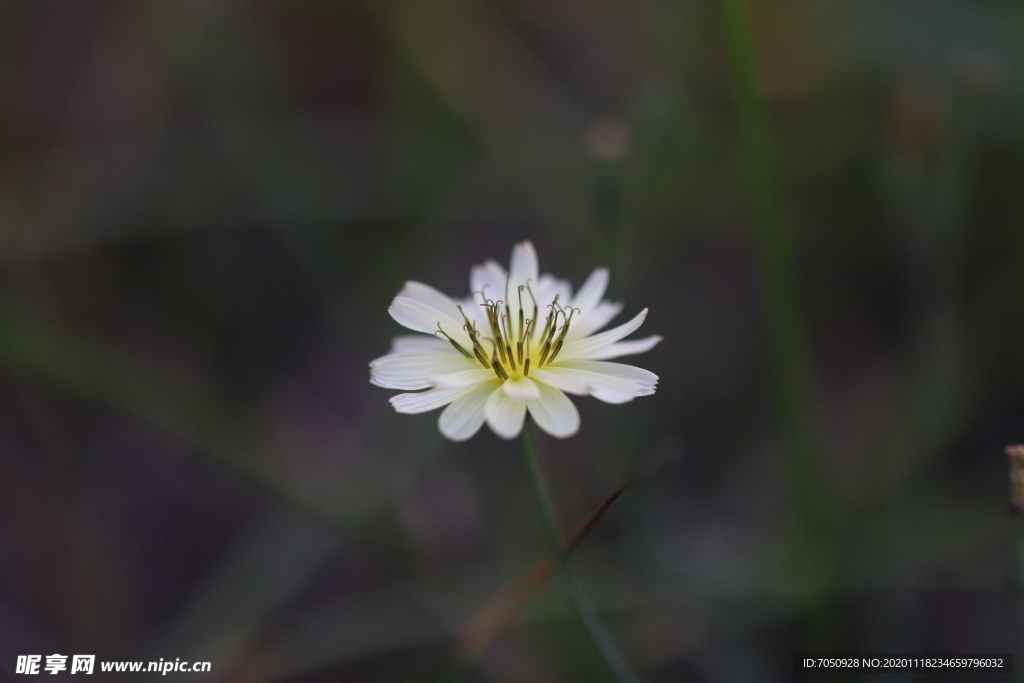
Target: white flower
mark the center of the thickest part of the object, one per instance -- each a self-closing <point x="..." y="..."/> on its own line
<point x="518" y="343"/>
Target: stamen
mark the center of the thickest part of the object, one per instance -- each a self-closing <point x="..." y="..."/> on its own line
<point x="520" y="323"/>
<point x="499" y="371"/>
<point x="547" y="324"/>
<point x="505" y="323"/>
<point x="478" y="349"/>
<point x="525" y="346"/>
<point x="550" y="335"/>
<point x="509" y="330"/>
<point x="502" y="359"/>
<point x="456" y="344"/>
<point x="474" y="336"/>
<point x="561" y="336"/>
<point x="492" y="318"/>
<point x="533" y="298"/>
<point x="544" y="352"/>
<point x="496" y="365"/>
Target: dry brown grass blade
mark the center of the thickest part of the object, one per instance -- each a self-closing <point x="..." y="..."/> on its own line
<point x="503" y="607"/>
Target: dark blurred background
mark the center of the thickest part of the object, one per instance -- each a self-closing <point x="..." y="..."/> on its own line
<point x="206" y="207"/>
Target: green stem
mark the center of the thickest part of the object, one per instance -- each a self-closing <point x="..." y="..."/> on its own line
<point x="580" y="602"/>
<point x="775" y="253"/>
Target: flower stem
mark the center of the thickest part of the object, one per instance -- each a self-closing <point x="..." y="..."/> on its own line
<point x="775" y="252"/>
<point x="577" y="597"/>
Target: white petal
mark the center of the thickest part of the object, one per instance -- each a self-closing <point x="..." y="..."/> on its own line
<point x="411" y="372"/>
<point x="554" y="412"/>
<point x="601" y="386"/>
<point x="581" y="347"/>
<point x="617" y="370"/>
<point x="574" y="384"/>
<point x="488" y="279"/>
<point x="505" y="414"/>
<point x="622" y="348"/>
<point x="591" y="292"/>
<point x="461" y="380"/>
<point x="418" y="316"/>
<point x="522" y="271"/>
<point x="524" y="389"/>
<point x="547" y="289"/>
<point x="425" y="294"/>
<point x="584" y="325"/>
<point x="419" y="344"/>
<point x="475" y="312"/>
<point x="424" y="401"/>
<point x="523" y="268"/>
<point x="464" y="417"/>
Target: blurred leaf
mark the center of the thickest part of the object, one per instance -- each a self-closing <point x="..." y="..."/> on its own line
<point x="199" y="417"/>
<point x="503" y="607"/>
<point x="266" y="567"/>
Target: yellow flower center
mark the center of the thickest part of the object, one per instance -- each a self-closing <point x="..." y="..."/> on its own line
<point x="515" y="346"/>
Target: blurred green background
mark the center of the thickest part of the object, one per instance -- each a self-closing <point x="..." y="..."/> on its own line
<point x="206" y="207"/>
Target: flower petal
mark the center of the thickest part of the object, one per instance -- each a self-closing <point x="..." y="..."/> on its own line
<point x="591" y="292"/>
<point x="463" y="379"/>
<point x="419" y="344"/>
<point x="424" y="401"/>
<point x="547" y="289"/>
<point x="465" y="415"/>
<point x="523" y="389"/>
<point x="474" y="311"/>
<point x="574" y="384"/>
<point x="582" y="347"/>
<point x="505" y="414"/>
<point x="622" y="348"/>
<point x="487" y="279"/>
<point x="601" y="386"/>
<point x="618" y="370"/>
<point x="411" y="372"/>
<point x="523" y="268"/>
<point x="418" y="316"/>
<point x="522" y="271"/>
<point x="554" y="412"/>
<point x="425" y="294"/>
<point x="585" y="325"/>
